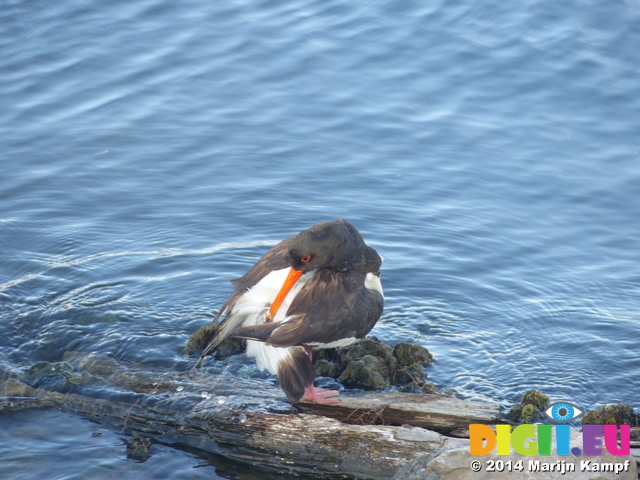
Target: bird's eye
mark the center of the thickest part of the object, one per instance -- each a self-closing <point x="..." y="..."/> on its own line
<point x="305" y="259"/>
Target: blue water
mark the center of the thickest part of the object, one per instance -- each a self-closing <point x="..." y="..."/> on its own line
<point x="152" y="150"/>
<point x="34" y="446"/>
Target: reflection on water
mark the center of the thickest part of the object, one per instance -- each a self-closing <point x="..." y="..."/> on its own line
<point x="153" y="151"/>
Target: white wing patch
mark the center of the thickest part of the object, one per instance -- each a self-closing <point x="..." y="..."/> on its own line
<point x="252" y="307"/>
<point x="267" y="356"/>
<point x="372" y="282"/>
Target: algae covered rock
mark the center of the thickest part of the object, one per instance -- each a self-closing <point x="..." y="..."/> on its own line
<point x="199" y="340"/>
<point x="367" y="346"/>
<point x="62" y="374"/>
<point x="411" y="353"/>
<point x="371" y="365"/>
<point x="619" y="414"/>
<point x="138" y="448"/>
<point x="325" y="368"/>
<point x="366" y="364"/>
<point x="535" y="398"/>
<point x="410" y="374"/>
<point x="369" y="372"/>
<point x="530" y="407"/>
<point x="529" y="413"/>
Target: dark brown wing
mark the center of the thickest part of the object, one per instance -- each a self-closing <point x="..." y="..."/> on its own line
<point x="331" y="306"/>
<point x="275" y="259"/>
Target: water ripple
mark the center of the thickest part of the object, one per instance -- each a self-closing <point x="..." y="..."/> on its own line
<point x="152" y="151"/>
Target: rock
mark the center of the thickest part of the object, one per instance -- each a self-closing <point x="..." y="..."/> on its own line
<point x="535" y="398"/>
<point x="618" y="414"/>
<point x="138" y="448"/>
<point x="421" y="387"/>
<point x="419" y="468"/>
<point x="16" y="404"/>
<point x="199" y="340"/>
<point x="529" y="413"/>
<point x="410" y="374"/>
<point x="369" y="373"/>
<point x="530" y="407"/>
<point x="325" y="368"/>
<point x="371" y="365"/>
<point x="411" y="353"/>
<point x="367" y="346"/>
<point x="46" y="372"/>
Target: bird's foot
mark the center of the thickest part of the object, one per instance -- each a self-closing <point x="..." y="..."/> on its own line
<point x="319" y="395"/>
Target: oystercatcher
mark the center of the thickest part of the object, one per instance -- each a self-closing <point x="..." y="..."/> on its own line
<point x="320" y="288"/>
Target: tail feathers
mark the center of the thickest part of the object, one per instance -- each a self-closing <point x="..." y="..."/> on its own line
<point x="224" y="329"/>
<point x="260" y="332"/>
<point x="295" y="373"/>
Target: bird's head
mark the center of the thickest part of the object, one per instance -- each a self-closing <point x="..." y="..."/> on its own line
<point x="335" y="244"/>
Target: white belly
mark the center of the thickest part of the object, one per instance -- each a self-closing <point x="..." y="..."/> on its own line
<point x="266" y="356"/>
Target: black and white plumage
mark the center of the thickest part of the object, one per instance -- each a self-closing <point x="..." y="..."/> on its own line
<point x="320" y="288"/>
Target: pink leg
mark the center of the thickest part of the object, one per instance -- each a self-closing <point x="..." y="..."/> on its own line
<point x="319" y="395"/>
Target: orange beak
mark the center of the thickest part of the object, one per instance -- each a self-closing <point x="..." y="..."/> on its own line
<point x="290" y="281"/>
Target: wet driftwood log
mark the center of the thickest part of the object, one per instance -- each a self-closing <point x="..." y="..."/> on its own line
<point x="367" y="435"/>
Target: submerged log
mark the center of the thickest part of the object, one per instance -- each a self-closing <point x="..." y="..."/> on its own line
<point x="258" y="425"/>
